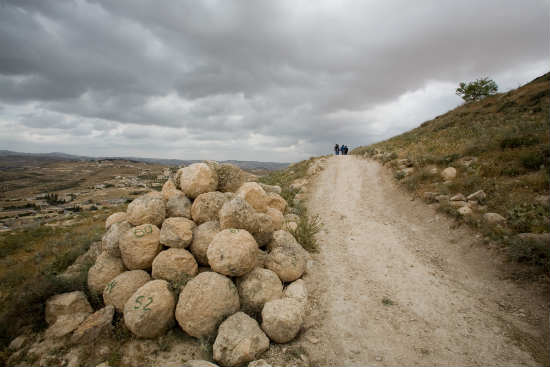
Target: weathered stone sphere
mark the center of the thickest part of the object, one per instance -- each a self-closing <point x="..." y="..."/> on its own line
<point x="206" y="206"/>
<point x="197" y="179"/>
<point x="232" y="252"/>
<point x="258" y="287"/>
<point x="174" y="264"/>
<point x="106" y="267"/>
<point x="202" y="237"/>
<point x="282" y="319"/>
<point x="177" y="232"/>
<point x="148" y="208"/>
<point x="255" y="195"/>
<point x="118" y="290"/>
<point x="139" y="246"/>
<point x="286" y="262"/>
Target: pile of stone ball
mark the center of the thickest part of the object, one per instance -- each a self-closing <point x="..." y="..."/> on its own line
<point x="219" y="241"/>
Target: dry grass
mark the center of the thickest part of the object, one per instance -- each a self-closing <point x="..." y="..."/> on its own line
<point x="499" y="145"/>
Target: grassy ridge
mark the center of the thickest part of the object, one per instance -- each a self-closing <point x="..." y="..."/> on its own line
<point x="499" y="144"/>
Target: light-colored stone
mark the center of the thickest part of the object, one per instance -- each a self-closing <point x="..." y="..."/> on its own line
<point x="276" y="217"/>
<point x="239" y="340"/>
<point x="298" y="183"/>
<point x="18" y="342"/>
<point x="259" y="363"/>
<point x="458" y="197"/>
<point x="442" y="198"/>
<point x="298" y="291"/>
<point x="94" y="326"/>
<point x="230" y="177"/>
<point x="258" y="287"/>
<point x="255" y="195"/>
<point x="465" y="211"/>
<point x="494" y="218"/>
<point x="148" y="208"/>
<point x="291" y="218"/>
<point x="232" y="252"/>
<point x="263" y="229"/>
<point x="174" y="264"/>
<point x="120" y="289"/>
<point x="115" y="218"/>
<point x="103" y="271"/>
<point x="284" y="238"/>
<point x="177" y="232"/>
<point x="271" y="188"/>
<point x="206" y="206"/>
<point x="139" y="246"/>
<point x="66" y="304"/>
<point x="178" y="205"/>
<point x="237" y="213"/>
<point x="290" y="226"/>
<point x="169" y="189"/>
<point x="197" y="179"/>
<point x="430" y="197"/>
<point x="282" y="319"/>
<point x="458" y="204"/>
<point x="199" y="363"/>
<point x="276" y="201"/>
<point x="109" y="241"/>
<point x="149" y="312"/>
<point x="478" y="196"/>
<point x="449" y="173"/>
<point x="204" y="302"/>
<point x="286" y="262"/>
<point x="202" y="237"/>
<point x="66" y="324"/>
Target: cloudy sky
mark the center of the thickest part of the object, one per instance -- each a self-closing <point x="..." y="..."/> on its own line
<point x="249" y="80"/>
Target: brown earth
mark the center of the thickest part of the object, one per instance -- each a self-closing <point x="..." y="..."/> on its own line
<point x="395" y="283"/>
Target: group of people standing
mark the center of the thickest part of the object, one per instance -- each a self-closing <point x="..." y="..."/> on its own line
<point x="341" y="149"/>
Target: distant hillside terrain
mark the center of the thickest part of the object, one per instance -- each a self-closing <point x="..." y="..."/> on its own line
<point x="499" y="144"/>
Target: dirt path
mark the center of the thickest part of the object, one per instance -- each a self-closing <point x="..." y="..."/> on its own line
<point x="394" y="284"/>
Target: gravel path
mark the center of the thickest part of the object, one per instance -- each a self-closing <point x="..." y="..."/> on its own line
<point x="396" y="284"/>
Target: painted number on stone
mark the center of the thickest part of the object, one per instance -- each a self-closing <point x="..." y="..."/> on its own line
<point x="140" y="232"/>
<point x="110" y="286"/>
<point x="142" y="303"/>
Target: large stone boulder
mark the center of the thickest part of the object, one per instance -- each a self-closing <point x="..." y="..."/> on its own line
<point x="174" y="264"/>
<point x="232" y="252"/>
<point x="297" y="290"/>
<point x="230" y="177"/>
<point x="204" y="302"/>
<point x="120" y="289"/>
<point x="239" y="340"/>
<point x="258" y="287"/>
<point x="263" y="228"/>
<point x="149" y="312"/>
<point x="206" y="206"/>
<point x="286" y="262"/>
<point x="276" y="217"/>
<point x="255" y="195"/>
<point x="177" y="232"/>
<point x="65" y="324"/>
<point x="105" y="269"/>
<point x="276" y="201"/>
<point x="237" y="213"/>
<point x="202" y="237"/>
<point x="169" y="189"/>
<point x="95" y="325"/>
<point x="139" y="246"/>
<point x="66" y="304"/>
<point x="284" y="238"/>
<point x="178" y="205"/>
<point x="282" y="319"/>
<point x="448" y="173"/>
<point x="197" y="179"/>
<point x="115" y="218"/>
<point x="109" y="241"/>
<point x="148" y="208"/>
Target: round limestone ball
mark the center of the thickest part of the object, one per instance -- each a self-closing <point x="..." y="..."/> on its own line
<point x="110" y="240"/>
<point x="118" y="291"/>
<point x="276" y="201"/>
<point x="258" y="287"/>
<point x="206" y="206"/>
<point x="203" y="235"/>
<point x="174" y="264"/>
<point x="204" y="302"/>
<point x="197" y="179"/>
<point x="178" y="205"/>
<point x="139" y="246"/>
<point x="232" y="252"/>
<point x="282" y="319"/>
<point x="148" y="208"/>
<point x="149" y="312"/>
<point x="255" y="195"/>
<point x="177" y="232"/>
<point x="115" y="218"/>
<point x="277" y="218"/>
<point x="106" y="267"/>
<point x="286" y="262"/>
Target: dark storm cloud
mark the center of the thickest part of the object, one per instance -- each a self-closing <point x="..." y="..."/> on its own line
<point x="291" y="76"/>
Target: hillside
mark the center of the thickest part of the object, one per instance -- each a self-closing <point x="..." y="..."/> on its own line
<point x="499" y="145"/>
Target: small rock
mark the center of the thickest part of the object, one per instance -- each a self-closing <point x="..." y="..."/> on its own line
<point x="94" y="326"/>
<point x="66" y="304"/>
<point x="478" y="195"/>
<point x="199" y="363"/>
<point x="66" y="324"/>
<point x="259" y="363"/>
<point x="448" y="173"/>
<point x="494" y="218"/>
<point x="282" y="319"/>
<point x="458" y="197"/>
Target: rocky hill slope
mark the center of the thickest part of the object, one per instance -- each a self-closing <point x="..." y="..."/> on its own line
<point x="499" y="145"/>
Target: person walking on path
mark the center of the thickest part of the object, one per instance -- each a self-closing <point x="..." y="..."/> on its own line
<point x="336" y="149"/>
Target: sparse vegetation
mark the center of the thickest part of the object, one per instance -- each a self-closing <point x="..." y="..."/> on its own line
<point x="499" y="145"/>
<point x="307" y="229"/>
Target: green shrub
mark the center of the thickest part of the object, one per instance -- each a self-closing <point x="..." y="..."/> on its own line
<point x="308" y="227"/>
<point x="518" y="141"/>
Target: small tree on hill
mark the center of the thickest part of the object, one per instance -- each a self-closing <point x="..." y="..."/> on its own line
<point x="476" y="90"/>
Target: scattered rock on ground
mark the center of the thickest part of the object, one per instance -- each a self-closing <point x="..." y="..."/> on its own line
<point x="494" y="218"/>
<point x="259" y="363"/>
<point x="66" y="324"/>
<point x="239" y="340"/>
<point x="232" y="252"/>
<point x="174" y="264"/>
<point x="197" y="179"/>
<point x="465" y="211"/>
<point x="103" y="271"/>
<point x="449" y="173"/>
<point x="258" y="287"/>
<point x="199" y="363"/>
<point x="177" y="232"/>
<point x="478" y="196"/>
<point x="202" y="237"/>
<point x="149" y="312"/>
<point x="94" y="326"/>
<point x="458" y="197"/>
<point x="148" y="208"/>
<point x="458" y="204"/>
<point x="430" y="197"/>
<point x="204" y="302"/>
<point x="66" y="304"/>
<point x="139" y="246"/>
<point x="206" y="206"/>
<point x="120" y="289"/>
<point x="282" y="319"/>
